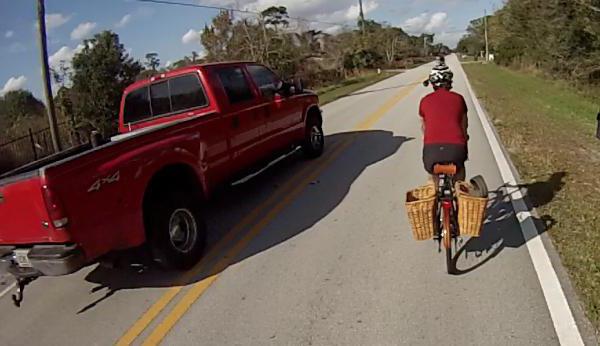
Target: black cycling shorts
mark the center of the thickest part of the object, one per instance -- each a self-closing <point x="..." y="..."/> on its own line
<point x="444" y="153"/>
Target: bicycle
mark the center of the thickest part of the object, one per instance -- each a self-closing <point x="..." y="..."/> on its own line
<point x="447" y="229"/>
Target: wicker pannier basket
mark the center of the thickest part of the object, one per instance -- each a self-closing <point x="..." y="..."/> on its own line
<point x="471" y="210"/>
<point x="420" y="207"/>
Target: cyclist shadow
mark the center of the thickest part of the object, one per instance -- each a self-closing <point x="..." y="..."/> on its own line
<point x="501" y="227"/>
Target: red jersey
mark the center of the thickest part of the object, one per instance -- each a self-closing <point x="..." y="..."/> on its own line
<point x="442" y="112"/>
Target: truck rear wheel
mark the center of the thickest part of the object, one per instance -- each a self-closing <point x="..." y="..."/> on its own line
<point x="177" y="230"/>
<point x="314" y="139"/>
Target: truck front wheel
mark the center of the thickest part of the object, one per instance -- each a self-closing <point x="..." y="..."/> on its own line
<point x="177" y="230"/>
<point x="314" y="139"/>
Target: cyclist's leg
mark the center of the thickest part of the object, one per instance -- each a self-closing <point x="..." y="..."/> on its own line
<point x="430" y="157"/>
<point x="445" y="153"/>
<point x="457" y="153"/>
<point x="461" y="173"/>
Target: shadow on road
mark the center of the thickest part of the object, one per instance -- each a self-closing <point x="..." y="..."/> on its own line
<point x="367" y="148"/>
<point x="502" y="229"/>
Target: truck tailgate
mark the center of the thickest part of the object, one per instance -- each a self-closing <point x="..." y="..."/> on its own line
<point x="23" y="214"/>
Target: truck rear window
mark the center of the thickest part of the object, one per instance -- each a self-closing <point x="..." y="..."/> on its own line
<point x="159" y="95"/>
<point x="167" y="96"/>
<point x="137" y="105"/>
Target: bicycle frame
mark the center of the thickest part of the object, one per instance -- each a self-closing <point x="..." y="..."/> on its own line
<point x="446" y="203"/>
<point x="447" y="229"/>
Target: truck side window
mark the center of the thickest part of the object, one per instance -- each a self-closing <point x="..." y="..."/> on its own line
<point x="161" y="103"/>
<point x="263" y="77"/>
<point x="137" y="106"/>
<point x="235" y="84"/>
<point x="186" y="93"/>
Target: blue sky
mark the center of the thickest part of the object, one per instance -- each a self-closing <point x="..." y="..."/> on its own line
<point x="171" y="31"/>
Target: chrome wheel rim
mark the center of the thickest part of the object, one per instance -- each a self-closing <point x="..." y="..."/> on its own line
<point x="316" y="137"/>
<point x="183" y="230"/>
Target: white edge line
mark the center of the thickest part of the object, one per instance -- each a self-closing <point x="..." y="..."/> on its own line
<point x="8" y="289"/>
<point x="560" y="311"/>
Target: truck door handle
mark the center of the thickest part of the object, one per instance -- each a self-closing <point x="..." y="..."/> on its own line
<point x="235" y="122"/>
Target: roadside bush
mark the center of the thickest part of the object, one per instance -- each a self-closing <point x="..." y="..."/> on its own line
<point x="7" y="161"/>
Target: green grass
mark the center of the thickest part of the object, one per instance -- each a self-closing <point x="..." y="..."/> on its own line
<point x="348" y="86"/>
<point x="548" y="128"/>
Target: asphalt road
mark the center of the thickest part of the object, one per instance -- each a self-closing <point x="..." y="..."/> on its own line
<point x="318" y="253"/>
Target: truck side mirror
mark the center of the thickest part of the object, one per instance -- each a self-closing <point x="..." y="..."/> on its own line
<point x="284" y="88"/>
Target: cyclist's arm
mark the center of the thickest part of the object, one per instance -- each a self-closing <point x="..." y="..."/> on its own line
<point x="421" y="117"/>
<point x="465" y="120"/>
<point x="465" y="125"/>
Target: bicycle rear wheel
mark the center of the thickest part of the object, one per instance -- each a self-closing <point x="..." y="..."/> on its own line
<point x="447" y="240"/>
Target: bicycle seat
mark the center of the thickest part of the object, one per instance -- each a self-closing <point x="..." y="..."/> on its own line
<point x="448" y="169"/>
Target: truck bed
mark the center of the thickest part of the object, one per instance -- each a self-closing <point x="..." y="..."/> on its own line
<point x="32" y="169"/>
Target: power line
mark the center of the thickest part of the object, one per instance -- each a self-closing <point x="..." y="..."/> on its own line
<point x="187" y="4"/>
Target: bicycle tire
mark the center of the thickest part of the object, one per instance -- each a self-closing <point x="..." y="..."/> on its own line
<point x="449" y="262"/>
<point x="480" y="186"/>
<point x="447" y="240"/>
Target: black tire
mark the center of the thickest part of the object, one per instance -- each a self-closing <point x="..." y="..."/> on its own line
<point x="479" y="186"/>
<point x="449" y="262"/>
<point x="314" y="138"/>
<point x="177" y="231"/>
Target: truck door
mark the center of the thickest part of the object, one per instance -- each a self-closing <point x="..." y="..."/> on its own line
<point x="281" y="111"/>
<point x="245" y="118"/>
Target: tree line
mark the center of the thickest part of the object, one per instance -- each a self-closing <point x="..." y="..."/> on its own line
<point x="558" y="37"/>
<point x="90" y="87"/>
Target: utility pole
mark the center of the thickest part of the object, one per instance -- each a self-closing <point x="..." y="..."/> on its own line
<point x="487" y="45"/>
<point x="362" y="17"/>
<point x="46" y="75"/>
<point x="424" y="45"/>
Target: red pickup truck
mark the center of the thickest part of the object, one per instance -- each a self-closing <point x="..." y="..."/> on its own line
<point x="181" y="134"/>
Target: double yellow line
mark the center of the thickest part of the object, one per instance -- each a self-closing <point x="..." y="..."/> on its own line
<point x="283" y="197"/>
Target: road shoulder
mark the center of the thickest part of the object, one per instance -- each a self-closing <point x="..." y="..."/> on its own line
<point x="571" y="324"/>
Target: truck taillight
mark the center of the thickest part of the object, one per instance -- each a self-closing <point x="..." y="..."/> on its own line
<point x="55" y="209"/>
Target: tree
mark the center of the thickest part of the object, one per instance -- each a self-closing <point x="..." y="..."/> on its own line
<point x="101" y="71"/>
<point x="276" y="16"/>
<point x="215" y="38"/>
<point x="268" y="39"/>
<point x="62" y="74"/>
<point x="152" y="61"/>
<point x="559" y="37"/>
<point x="18" y="105"/>
<point x="473" y="43"/>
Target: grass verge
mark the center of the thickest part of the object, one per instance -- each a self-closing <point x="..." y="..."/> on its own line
<point x="548" y="128"/>
<point x="350" y="85"/>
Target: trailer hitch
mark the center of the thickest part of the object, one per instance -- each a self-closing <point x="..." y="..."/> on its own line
<point x="21" y="283"/>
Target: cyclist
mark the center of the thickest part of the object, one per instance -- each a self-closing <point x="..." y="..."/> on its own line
<point x="440" y="60"/>
<point x="444" y="124"/>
